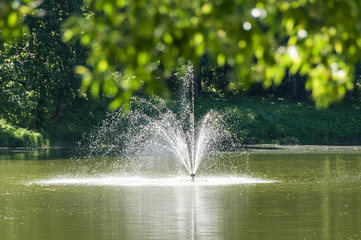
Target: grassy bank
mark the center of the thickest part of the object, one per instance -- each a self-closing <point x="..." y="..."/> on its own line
<point x="257" y="120"/>
<point x="11" y="136"/>
<point x="254" y="120"/>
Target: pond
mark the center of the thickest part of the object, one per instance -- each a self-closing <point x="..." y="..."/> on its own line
<point x="297" y="193"/>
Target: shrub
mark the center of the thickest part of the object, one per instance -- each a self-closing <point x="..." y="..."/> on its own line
<point x="11" y="136"/>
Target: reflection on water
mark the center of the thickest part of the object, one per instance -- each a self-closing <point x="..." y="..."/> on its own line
<point x="317" y="195"/>
<point x="36" y="153"/>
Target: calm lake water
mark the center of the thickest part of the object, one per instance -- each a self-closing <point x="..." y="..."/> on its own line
<point x="300" y="193"/>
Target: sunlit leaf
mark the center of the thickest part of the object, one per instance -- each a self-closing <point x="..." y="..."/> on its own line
<point x="12" y="19"/>
<point x="221" y="59"/>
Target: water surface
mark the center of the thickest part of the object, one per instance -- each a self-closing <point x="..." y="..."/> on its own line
<point x="310" y="193"/>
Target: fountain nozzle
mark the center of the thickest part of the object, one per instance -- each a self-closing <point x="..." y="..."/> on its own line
<point x="192" y="176"/>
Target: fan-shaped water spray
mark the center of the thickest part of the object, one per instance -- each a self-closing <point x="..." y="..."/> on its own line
<point x="150" y="127"/>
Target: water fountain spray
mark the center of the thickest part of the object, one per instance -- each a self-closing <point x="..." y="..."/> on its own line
<point x="151" y="128"/>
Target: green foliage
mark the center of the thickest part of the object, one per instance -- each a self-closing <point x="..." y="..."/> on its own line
<point x="130" y="41"/>
<point x="11" y="136"/>
<point x="36" y="74"/>
<point x="122" y="48"/>
<point x="214" y="78"/>
<point x="276" y="120"/>
<point x="259" y="40"/>
<point x="76" y="118"/>
<point x="11" y="18"/>
<point x="38" y="87"/>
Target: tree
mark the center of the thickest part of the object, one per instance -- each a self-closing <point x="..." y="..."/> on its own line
<point x="37" y="72"/>
<point x="259" y="40"/>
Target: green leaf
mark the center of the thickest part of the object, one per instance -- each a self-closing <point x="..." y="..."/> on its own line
<point x="13" y="19"/>
<point x="221" y="59"/>
<point x="143" y="58"/>
<point x="103" y="65"/>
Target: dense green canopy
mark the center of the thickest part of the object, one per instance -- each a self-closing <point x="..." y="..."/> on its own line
<point x="135" y="44"/>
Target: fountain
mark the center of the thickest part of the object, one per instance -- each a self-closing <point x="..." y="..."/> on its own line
<point x="151" y="128"/>
<point x="153" y="143"/>
<point x="128" y="147"/>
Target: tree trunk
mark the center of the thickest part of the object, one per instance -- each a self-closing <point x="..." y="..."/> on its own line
<point x="57" y="112"/>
